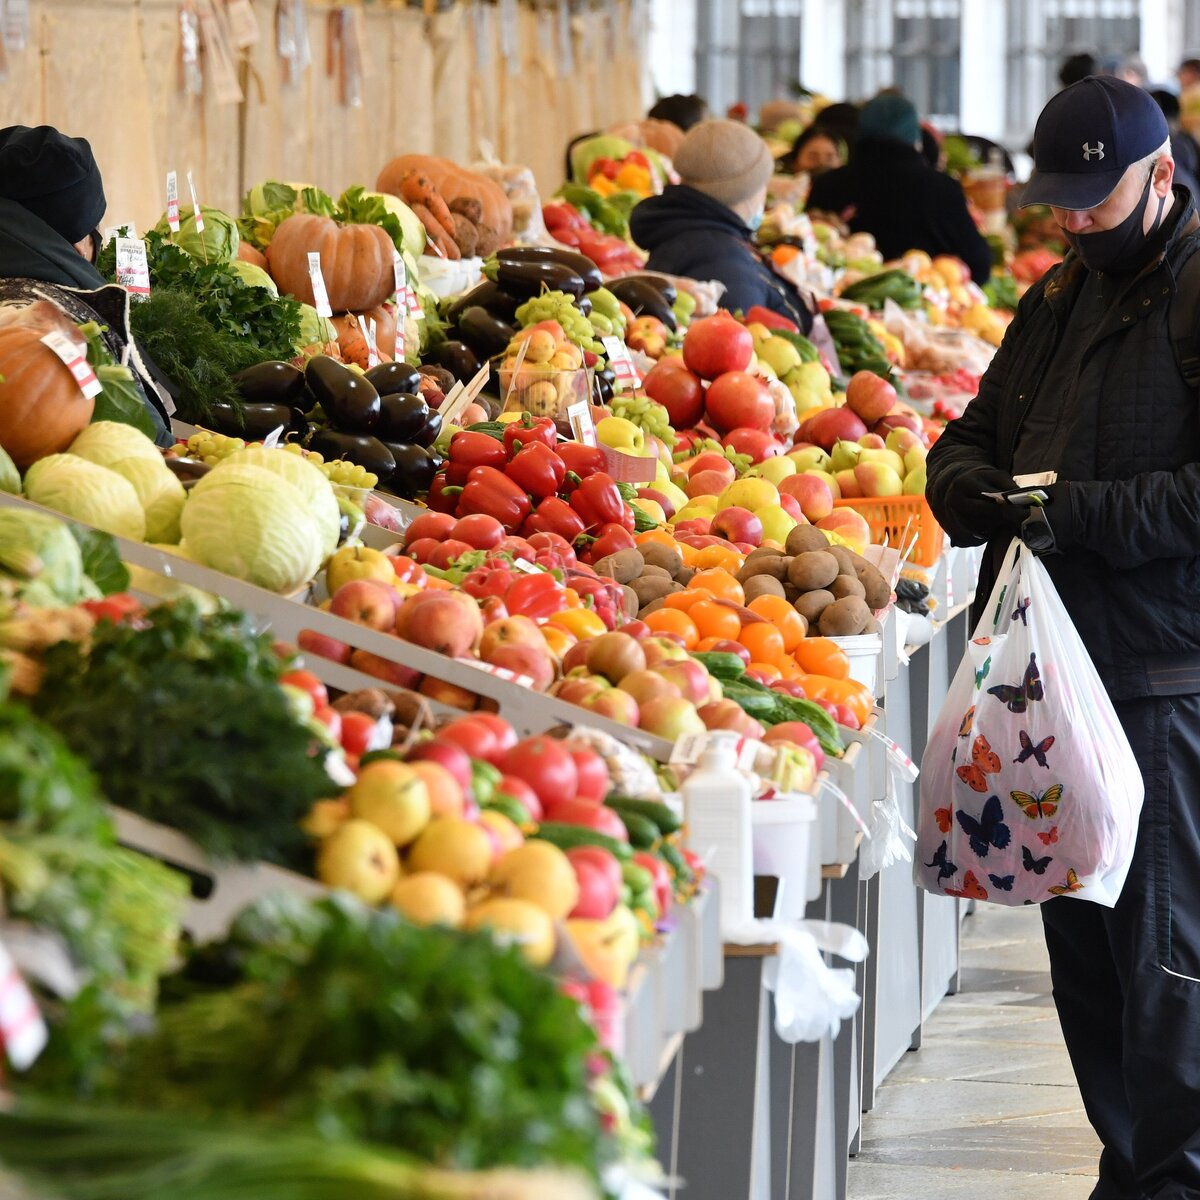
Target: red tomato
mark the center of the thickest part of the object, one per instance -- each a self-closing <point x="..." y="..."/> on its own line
<point x="115" y="608"/>
<point x="429" y="525"/>
<point x="454" y="758"/>
<point x="681" y="393"/>
<point x="590" y="816"/>
<point x="478" y="530"/>
<point x="407" y="569"/>
<point x="592" y="772"/>
<point x="447" y="552"/>
<point x="477" y="739"/>
<point x="331" y="719"/>
<point x="504" y="731"/>
<point x="522" y="793"/>
<point x="357" y="729"/>
<point x="545" y="764"/>
<point x="307" y="682"/>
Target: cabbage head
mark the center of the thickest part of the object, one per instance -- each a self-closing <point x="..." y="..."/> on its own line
<point x="10" y="477"/>
<point x="108" y="442"/>
<point x="217" y="243"/>
<point x="311" y="483"/>
<point x="315" y="330"/>
<point x="252" y="524"/>
<point x="253" y="276"/>
<point x="88" y="493"/>
<point x="47" y="547"/>
<point x="414" y="231"/>
<point x="160" y="494"/>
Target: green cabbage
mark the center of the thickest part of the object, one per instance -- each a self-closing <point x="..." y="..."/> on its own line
<point x="414" y="231"/>
<point x="311" y="483"/>
<point x="51" y="554"/>
<point x="10" y="477"/>
<point x="252" y="524"/>
<point x="108" y="442"/>
<point x="160" y="494"/>
<point x="253" y="276"/>
<point x="271" y="202"/>
<point x="315" y="330"/>
<point x="217" y="243"/>
<point x="88" y="493"/>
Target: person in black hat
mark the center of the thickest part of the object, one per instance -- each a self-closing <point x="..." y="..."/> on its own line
<point x="1096" y="381"/>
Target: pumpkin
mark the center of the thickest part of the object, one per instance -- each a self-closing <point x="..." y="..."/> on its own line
<point x="353" y="346"/>
<point x="42" y="410"/>
<point x="356" y="261"/>
<point x="454" y="183"/>
<point x="247" y="253"/>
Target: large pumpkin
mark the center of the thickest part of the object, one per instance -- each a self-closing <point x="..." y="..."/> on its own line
<point x="356" y="261"/>
<point x="42" y="410"/>
<point x="454" y="183"/>
<point x="353" y="346"/>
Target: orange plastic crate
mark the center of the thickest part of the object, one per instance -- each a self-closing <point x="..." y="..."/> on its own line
<point x="889" y="517"/>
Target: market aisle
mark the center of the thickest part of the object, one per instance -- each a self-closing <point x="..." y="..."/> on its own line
<point x="988" y="1105"/>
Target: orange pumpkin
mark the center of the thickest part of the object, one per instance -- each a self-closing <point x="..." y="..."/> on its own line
<point x="454" y="183"/>
<point x="356" y="261"/>
<point x="352" y="344"/>
<point x="42" y="410"/>
<point x="247" y="253"/>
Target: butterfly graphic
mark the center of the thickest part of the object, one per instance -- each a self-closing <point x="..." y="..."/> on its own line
<point x="981" y="674"/>
<point x="989" y="830"/>
<point x="971" y="889"/>
<point x="946" y="869"/>
<point x="1029" y="750"/>
<point x="1072" y="884"/>
<point x="1048" y="839"/>
<point x="1021" y="609"/>
<point x="983" y="763"/>
<point x="1018" y="697"/>
<point x="1003" y="882"/>
<point x="1036" y="865"/>
<point x="1044" y="804"/>
<point x="942" y="817"/>
<point x="968" y="722"/>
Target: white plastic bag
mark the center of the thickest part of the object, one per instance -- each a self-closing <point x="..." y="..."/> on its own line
<point x="1029" y="787"/>
<point x="889" y="834"/>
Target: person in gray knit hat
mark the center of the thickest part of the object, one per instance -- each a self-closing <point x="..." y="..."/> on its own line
<point x="703" y="226"/>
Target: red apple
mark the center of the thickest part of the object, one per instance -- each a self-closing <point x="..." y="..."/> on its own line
<point x="671" y="719"/>
<point x="365" y="602"/>
<point x="791" y="506"/>
<point x="757" y="443"/>
<point x="661" y="650"/>
<point x="724" y="646"/>
<point x="446" y="754"/>
<point x="663" y="502"/>
<point x="615" y="655"/>
<point x="738" y="525"/>
<point x="448" y="622"/>
<point x="901" y="420"/>
<point x="814" y="495"/>
<point x="614" y="704"/>
<point x="689" y="676"/>
<point x="738" y="400"/>
<point x="710" y="460"/>
<point x="696" y="525"/>
<point x="645" y="686"/>
<point x="681" y="393"/>
<point x="580" y="689"/>
<point x="525" y="659"/>
<point x="870" y="396"/>
<point x="709" y="483"/>
<point x="323" y="646"/>
<point x="636" y="629"/>
<point x="832" y="425"/>
<point x="717" y="344"/>
<point x="728" y="714"/>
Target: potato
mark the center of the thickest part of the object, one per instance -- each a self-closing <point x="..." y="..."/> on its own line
<point x="847" y="585"/>
<point x="684" y="575"/>
<point x="845" y="618"/>
<point x="649" y="588"/>
<point x="873" y="626"/>
<point x="813" y="569"/>
<point x="654" y="606"/>
<point x="847" y="560"/>
<point x="632" y="603"/>
<point x="763" y="585"/>
<point x="655" y="554"/>
<point x="791" y="593"/>
<point x="373" y="701"/>
<point x="624" y="566"/>
<point x="876" y="589"/>
<point x="774" y="565"/>
<point x="812" y="604"/>
<point x="652" y="572"/>
<point x="806" y="537"/>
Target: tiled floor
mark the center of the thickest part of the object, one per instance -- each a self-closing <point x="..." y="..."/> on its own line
<point x="987" y="1108"/>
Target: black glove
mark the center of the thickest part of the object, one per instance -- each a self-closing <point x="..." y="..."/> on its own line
<point x="986" y="519"/>
<point x="1048" y="530"/>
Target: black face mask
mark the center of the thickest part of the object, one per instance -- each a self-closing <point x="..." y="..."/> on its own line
<point x="1121" y="248"/>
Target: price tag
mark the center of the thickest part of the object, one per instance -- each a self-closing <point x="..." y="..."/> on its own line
<point x="520" y="564"/>
<point x="630" y="468"/>
<point x="583" y="427"/>
<point x="453" y="405"/>
<point x="905" y="765"/>
<point x="133" y="272"/>
<point x="243" y="24"/>
<point x="74" y="357"/>
<point x="687" y="750"/>
<point x="195" y="204"/>
<point x="747" y="754"/>
<point x="22" y="1029"/>
<point x="368" y="332"/>
<point x="320" y="295"/>
<point x="399" y="276"/>
<point x="621" y="362"/>
<point x="173" y="201"/>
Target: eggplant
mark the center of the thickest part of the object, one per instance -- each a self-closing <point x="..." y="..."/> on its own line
<point x="390" y="377"/>
<point x="485" y="334"/>
<point x="349" y="400"/>
<point x="428" y="433"/>
<point x="644" y="299"/>
<point x="604" y="389"/>
<point x="415" y="469"/>
<point x="402" y="416"/>
<point x="584" y="304"/>
<point x="458" y="358"/>
<point x="528" y="279"/>
<point x="486" y="295"/>
<point x="572" y="259"/>
<point x="660" y="283"/>
<point x="367" y="451"/>
<point x="271" y="383"/>
<point x="254" y="422"/>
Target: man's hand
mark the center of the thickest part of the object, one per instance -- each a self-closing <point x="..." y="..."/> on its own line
<point x="986" y="518"/>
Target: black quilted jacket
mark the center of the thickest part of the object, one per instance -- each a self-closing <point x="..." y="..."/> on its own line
<point x="1126" y="508"/>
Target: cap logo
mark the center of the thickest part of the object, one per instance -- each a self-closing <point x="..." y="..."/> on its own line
<point x="1090" y="152"/>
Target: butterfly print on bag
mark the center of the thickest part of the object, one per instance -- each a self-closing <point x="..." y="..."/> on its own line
<point x="1072" y="884"/>
<point x="946" y="869"/>
<point x="1029" y="750"/>
<point x="1019" y="697"/>
<point x="1044" y="804"/>
<point x="971" y="889"/>
<point x="989" y="830"/>
<point x="984" y="762"/>
<point x="1036" y="865"/>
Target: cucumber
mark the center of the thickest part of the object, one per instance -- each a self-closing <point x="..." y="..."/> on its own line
<point x="761" y="705"/>
<point x="514" y="810"/>
<point x="673" y="857"/>
<point x="637" y="879"/>
<point x="643" y="832"/>
<point x="720" y="665"/>
<point x="568" y="837"/>
<point x="660" y="814"/>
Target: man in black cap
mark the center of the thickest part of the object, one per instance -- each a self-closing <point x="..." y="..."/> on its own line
<point x="1096" y="381"/>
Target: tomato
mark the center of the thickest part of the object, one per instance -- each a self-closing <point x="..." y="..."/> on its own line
<point x="446" y="552"/>
<point x="408" y="570"/>
<point x="681" y="393"/>
<point x="454" y="758"/>
<point x="477" y="739"/>
<point x="308" y="683"/>
<point x="478" y="530"/>
<point x="420" y="549"/>
<point x="737" y="400"/>
<point x="505" y="733"/>
<point x="592" y="772"/>
<point x="522" y="793"/>
<point x="429" y="525"/>
<point x="357" y="729"/>
<point x="717" y="344"/>
<point x="546" y="765"/>
<point x="331" y="719"/>
<point x="590" y="816"/>
<point x="116" y="608"/>
<point x="822" y="656"/>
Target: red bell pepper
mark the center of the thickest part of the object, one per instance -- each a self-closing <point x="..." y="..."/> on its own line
<point x="757" y="315"/>
<point x="554" y="516"/>
<point x="557" y="543"/>
<point x="492" y="492"/>
<point x="580" y="460"/>
<point x="535" y="596"/>
<point x="517" y="547"/>
<point x="610" y="539"/>
<point x="438" y="499"/>
<point x="536" y="469"/>
<point x="476" y="450"/>
<point x="528" y="431"/>
<point x="598" y="501"/>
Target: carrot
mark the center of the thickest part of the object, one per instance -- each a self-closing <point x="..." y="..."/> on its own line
<point x="417" y="188"/>
<point x="445" y="244"/>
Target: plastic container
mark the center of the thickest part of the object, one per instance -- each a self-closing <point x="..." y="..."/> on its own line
<point x="544" y="393"/>
<point x="717" y="803"/>
<point x="890" y="516"/>
<point x="865" y="652"/>
<point x="786" y="845"/>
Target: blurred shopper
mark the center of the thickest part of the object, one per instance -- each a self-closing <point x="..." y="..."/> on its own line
<point x="841" y="120"/>
<point x="889" y="191"/>
<point x="1094" y="382"/>
<point x="683" y="111"/>
<point x="1183" y="147"/>
<point x="816" y="151"/>
<point x="1077" y="67"/>
<point x="1132" y="70"/>
<point x="1188" y="74"/>
<point x="704" y="226"/>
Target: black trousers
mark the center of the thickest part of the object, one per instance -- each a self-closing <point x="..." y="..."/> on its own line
<point x="1127" y="979"/>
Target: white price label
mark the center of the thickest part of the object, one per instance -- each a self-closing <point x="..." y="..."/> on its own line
<point x="74" y="357"/>
<point x="195" y="204"/>
<point x="133" y="272"/>
<point x="173" y="201"/>
<point x="399" y="275"/>
<point x="368" y="331"/>
<point x="521" y="564"/>
<point x="454" y="403"/>
<point x="320" y="295"/>
<point x="621" y="362"/>
<point x="687" y="750"/>
<point x="583" y="427"/>
<point x="22" y="1029"/>
<point x="243" y="24"/>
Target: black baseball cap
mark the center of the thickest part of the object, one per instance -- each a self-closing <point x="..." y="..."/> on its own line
<point x="1087" y="137"/>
